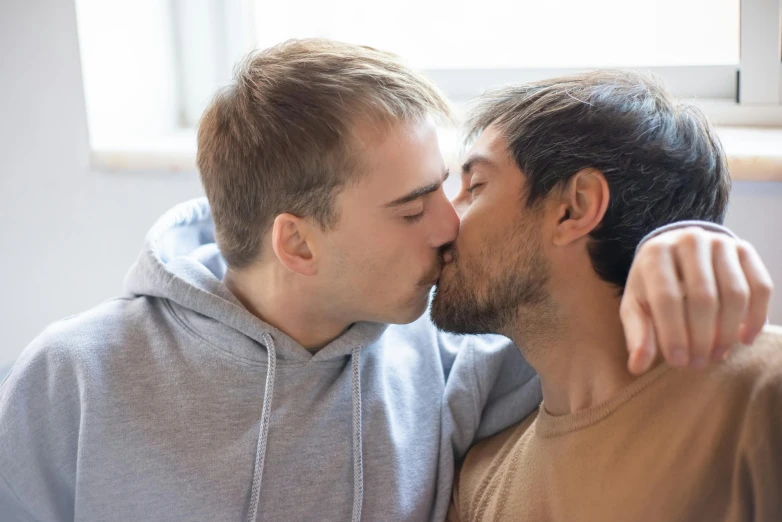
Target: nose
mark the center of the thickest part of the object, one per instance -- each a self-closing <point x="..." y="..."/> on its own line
<point x="447" y="223"/>
<point x="459" y="204"/>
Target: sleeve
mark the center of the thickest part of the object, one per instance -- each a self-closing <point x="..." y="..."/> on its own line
<point x="706" y="225"/>
<point x="489" y="388"/>
<point x="39" y="426"/>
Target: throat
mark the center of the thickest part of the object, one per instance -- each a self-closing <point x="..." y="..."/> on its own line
<point x="287" y="308"/>
<point x="582" y="360"/>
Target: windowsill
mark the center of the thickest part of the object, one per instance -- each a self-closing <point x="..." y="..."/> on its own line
<point x="754" y="154"/>
<point x="171" y="153"/>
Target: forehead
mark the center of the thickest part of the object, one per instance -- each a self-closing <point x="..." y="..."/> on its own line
<point x="399" y="158"/>
<point x="399" y="143"/>
<point x="492" y="146"/>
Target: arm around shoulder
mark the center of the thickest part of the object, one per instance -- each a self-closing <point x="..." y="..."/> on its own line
<point x="490" y="387"/>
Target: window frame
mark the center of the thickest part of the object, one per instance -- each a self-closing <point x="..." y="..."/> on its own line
<point x="747" y="94"/>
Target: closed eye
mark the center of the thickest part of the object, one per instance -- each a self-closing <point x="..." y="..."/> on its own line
<point x="473" y="187"/>
<point x="414" y="218"/>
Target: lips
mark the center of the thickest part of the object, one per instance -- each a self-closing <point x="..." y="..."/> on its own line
<point x="432" y="277"/>
<point x="432" y="281"/>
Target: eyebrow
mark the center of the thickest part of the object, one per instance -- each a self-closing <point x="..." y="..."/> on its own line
<point x="476" y="159"/>
<point x="417" y="193"/>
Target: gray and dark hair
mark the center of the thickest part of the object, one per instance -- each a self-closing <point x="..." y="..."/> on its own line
<point x="662" y="159"/>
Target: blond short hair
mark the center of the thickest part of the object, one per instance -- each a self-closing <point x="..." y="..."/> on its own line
<point x="281" y="137"/>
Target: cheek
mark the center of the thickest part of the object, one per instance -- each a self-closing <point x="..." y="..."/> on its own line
<point x="472" y="236"/>
<point x="402" y="264"/>
<point x="483" y="250"/>
<point x="383" y="256"/>
<point x="403" y="257"/>
<point x="490" y="223"/>
<point x="377" y="262"/>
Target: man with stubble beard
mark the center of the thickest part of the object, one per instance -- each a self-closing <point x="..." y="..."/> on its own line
<point x="564" y="180"/>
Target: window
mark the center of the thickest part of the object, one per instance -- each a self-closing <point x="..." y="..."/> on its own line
<point x="150" y="67"/>
<point x="128" y="70"/>
<point x="447" y="34"/>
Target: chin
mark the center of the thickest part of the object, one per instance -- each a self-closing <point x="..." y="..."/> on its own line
<point x="451" y="311"/>
<point x="415" y="308"/>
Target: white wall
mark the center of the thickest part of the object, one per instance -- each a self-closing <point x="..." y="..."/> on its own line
<point x="755" y="214"/>
<point x="68" y="235"/>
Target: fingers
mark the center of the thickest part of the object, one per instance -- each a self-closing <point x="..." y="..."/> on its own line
<point x="687" y="295"/>
<point x="760" y="288"/>
<point x="639" y="333"/>
<point x="666" y="303"/>
<point x="694" y="262"/>
<point x="733" y="292"/>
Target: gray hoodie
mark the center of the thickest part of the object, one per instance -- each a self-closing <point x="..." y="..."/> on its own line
<point x="173" y="402"/>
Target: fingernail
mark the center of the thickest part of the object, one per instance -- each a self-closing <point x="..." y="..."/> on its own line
<point x="699" y="362"/>
<point x="679" y="357"/>
<point x="637" y="362"/>
<point x="448" y="257"/>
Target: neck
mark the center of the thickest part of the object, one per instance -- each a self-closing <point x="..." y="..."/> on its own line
<point x="281" y="299"/>
<point x="582" y="360"/>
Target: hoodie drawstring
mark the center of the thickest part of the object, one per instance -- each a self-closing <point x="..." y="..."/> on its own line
<point x="358" y="456"/>
<point x="260" y="453"/>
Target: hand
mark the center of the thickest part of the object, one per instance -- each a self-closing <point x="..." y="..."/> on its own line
<point x="692" y="294"/>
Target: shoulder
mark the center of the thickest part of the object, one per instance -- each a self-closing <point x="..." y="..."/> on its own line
<point x="738" y="400"/>
<point x="758" y="462"/>
<point x="71" y="347"/>
<point x="42" y="400"/>
<point x="757" y="368"/>
<point x="488" y="460"/>
<point x="491" y="452"/>
<point x="725" y="400"/>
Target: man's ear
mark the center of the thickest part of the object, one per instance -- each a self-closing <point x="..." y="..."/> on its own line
<point x="582" y="205"/>
<point x="290" y="236"/>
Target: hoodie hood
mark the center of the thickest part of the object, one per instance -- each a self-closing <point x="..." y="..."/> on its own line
<point x="181" y="262"/>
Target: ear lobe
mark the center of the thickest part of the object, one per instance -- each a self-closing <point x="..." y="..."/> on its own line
<point x="585" y="201"/>
<point x="290" y="237"/>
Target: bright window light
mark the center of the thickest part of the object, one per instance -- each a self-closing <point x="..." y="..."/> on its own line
<point x="443" y="34"/>
<point x="151" y="66"/>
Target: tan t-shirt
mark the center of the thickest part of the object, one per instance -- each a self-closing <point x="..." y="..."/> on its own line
<point x="676" y="445"/>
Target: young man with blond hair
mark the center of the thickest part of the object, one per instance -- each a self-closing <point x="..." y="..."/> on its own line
<point x="551" y="185"/>
<point x="268" y="359"/>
